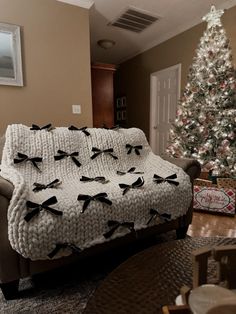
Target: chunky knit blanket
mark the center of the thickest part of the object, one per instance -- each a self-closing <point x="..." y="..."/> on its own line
<point x="74" y="188"/>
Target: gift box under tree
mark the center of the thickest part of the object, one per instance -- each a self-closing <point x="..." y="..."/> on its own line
<point x="218" y="198"/>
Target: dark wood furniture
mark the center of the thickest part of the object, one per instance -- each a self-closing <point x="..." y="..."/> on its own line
<point x="102" y="94"/>
<point x="151" y="278"/>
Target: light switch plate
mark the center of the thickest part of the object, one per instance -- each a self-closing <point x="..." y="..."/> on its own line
<point x="76" y="109"/>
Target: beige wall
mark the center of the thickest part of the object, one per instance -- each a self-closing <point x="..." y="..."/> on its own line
<point x="56" y="64"/>
<point x="133" y="77"/>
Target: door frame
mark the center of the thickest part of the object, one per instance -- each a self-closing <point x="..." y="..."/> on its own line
<point x="153" y="97"/>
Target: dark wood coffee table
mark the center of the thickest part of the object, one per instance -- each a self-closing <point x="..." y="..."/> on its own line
<point x="151" y="278"/>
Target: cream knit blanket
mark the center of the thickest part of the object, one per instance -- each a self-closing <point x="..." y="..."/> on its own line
<point x="72" y="219"/>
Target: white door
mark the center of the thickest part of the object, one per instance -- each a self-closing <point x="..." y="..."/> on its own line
<point x="165" y="92"/>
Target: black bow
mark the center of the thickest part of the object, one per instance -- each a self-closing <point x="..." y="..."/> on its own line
<point x="96" y="179"/>
<point x="74" y="128"/>
<point x="114" y="225"/>
<point x="114" y="128"/>
<point x="170" y="179"/>
<point x="72" y="155"/>
<point x="154" y="213"/>
<point x="101" y="197"/>
<point x="47" y="127"/>
<point x="39" y="207"/>
<point x="137" y="184"/>
<point x="33" y="160"/>
<point x="51" y="185"/>
<point x="136" y="149"/>
<point x="98" y="151"/>
<point x="131" y="170"/>
<point x="59" y="246"/>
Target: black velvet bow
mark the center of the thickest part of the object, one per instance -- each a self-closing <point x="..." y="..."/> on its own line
<point x="98" y="151"/>
<point x="154" y="213"/>
<point x="137" y="184"/>
<point x="74" y="128"/>
<point x="51" y="185"/>
<point x="59" y="246"/>
<point x="114" y="128"/>
<point x="101" y="197"/>
<point x="72" y="156"/>
<point x="170" y="179"/>
<point x="114" y="225"/>
<point x="136" y="149"/>
<point x="131" y="170"/>
<point x="96" y="179"/>
<point x="47" y="127"/>
<point x="33" y="160"/>
<point x="39" y="207"/>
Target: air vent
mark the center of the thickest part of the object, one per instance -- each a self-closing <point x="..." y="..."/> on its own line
<point x="134" y="20"/>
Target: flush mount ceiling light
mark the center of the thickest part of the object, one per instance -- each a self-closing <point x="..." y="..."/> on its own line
<point x="106" y="43"/>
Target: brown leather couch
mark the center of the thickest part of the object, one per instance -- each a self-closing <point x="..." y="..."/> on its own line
<point x="13" y="266"/>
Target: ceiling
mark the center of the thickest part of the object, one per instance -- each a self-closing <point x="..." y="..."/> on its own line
<point x="175" y="16"/>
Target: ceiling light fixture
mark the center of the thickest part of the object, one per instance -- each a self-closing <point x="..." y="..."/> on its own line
<point x="106" y="43"/>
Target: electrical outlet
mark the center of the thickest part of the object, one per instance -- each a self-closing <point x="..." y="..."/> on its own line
<point x="76" y="109"/>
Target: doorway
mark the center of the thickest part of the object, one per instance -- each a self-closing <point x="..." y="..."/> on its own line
<point x="164" y="96"/>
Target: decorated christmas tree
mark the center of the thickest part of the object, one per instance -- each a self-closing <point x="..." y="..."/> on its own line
<point x="205" y="127"/>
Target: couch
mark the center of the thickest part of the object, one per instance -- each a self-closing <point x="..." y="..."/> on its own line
<point x="14" y="266"/>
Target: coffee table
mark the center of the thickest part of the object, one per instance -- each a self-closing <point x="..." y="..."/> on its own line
<point x="150" y="279"/>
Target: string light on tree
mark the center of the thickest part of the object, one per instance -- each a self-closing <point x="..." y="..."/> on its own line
<point x="205" y="126"/>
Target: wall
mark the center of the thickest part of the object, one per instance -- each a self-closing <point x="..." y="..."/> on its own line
<point x="133" y="77"/>
<point x="56" y="64"/>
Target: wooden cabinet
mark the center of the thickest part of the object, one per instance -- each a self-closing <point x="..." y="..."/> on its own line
<point x="102" y="94"/>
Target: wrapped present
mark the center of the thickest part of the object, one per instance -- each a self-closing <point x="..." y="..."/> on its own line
<point x="226" y="183"/>
<point x="202" y="182"/>
<point x="214" y="199"/>
<point x="204" y="175"/>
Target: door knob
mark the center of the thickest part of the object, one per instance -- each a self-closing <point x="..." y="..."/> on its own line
<point x="155" y="127"/>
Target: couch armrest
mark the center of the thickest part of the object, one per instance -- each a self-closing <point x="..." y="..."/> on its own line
<point x="9" y="259"/>
<point x="6" y="188"/>
<point x="191" y="166"/>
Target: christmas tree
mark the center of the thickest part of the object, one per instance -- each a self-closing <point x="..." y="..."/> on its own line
<point x="205" y="127"/>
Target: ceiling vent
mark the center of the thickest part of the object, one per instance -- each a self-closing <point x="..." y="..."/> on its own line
<point x="134" y="20"/>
